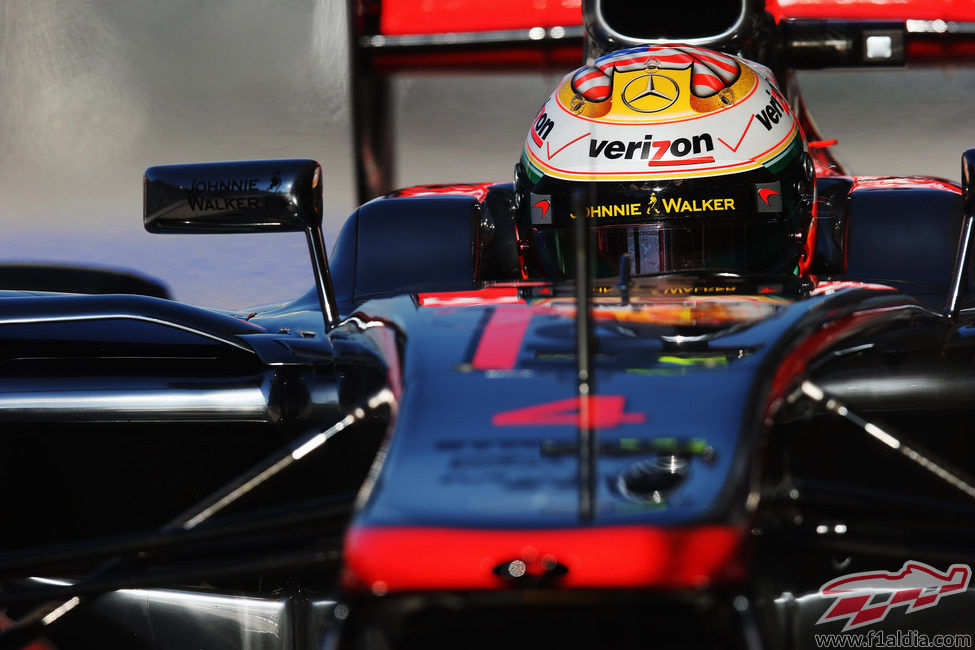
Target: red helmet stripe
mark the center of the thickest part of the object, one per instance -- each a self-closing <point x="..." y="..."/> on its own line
<point x="710" y="71"/>
<point x="705" y="85"/>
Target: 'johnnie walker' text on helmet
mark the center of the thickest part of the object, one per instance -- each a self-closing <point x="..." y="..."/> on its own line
<point x="685" y="158"/>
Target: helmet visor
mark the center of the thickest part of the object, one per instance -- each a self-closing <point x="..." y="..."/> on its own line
<point x="752" y="223"/>
<point x="670" y="246"/>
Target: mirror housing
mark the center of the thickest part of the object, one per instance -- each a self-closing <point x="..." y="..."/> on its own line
<point x="233" y="197"/>
<point x="243" y="197"/>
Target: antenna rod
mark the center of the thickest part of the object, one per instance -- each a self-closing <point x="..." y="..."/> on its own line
<point x="585" y="347"/>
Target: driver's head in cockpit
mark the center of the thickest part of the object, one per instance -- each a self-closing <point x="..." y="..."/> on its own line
<point x="684" y="158"/>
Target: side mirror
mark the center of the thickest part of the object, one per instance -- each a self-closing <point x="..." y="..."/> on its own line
<point x="233" y="197"/>
<point x="959" y="278"/>
<point x="243" y="197"/>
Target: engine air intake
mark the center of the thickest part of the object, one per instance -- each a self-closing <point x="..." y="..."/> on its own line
<point x="691" y="19"/>
<point x="616" y="24"/>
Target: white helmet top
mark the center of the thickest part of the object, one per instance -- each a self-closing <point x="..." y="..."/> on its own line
<point x="662" y="112"/>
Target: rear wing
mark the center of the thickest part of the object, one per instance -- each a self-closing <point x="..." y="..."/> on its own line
<point x="390" y="36"/>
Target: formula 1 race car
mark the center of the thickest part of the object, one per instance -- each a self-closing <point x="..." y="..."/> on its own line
<point x="683" y="383"/>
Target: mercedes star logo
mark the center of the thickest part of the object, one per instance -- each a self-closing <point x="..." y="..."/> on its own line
<point x="650" y="93"/>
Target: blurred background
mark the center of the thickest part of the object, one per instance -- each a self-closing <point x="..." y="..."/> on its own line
<point x="94" y="91"/>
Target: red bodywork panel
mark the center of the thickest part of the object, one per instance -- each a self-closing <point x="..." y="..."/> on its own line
<point x="564" y="57"/>
<point x="411" y="17"/>
<point x="474" y="190"/>
<point x="432" y="18"/>
<point x="926" y="47"/>
<point x="401" y="17"/>
<point x="404" y="559"/>
<point x="947" y="10"/>
<point x="886" y="183"/>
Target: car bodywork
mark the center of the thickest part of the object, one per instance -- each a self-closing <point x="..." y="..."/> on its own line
<point x="430" y="449"/>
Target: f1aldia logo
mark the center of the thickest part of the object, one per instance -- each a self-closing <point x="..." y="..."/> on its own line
<point x="866" y="598"/>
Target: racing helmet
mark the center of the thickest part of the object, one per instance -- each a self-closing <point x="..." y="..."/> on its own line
<point x="682" y="158"/>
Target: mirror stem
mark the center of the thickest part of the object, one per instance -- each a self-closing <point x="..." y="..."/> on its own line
<point x="323" y="278"/>
<point x="959" y="277"/>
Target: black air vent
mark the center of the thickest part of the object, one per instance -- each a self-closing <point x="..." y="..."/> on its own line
<point x="689" y="19"/>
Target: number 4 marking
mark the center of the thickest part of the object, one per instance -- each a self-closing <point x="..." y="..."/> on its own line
<point x="606" y="412"/>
